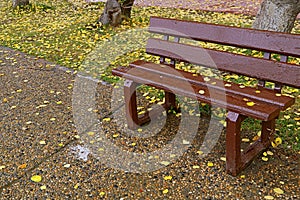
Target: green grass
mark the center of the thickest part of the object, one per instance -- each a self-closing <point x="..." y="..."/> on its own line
<point x="67" y="34"/>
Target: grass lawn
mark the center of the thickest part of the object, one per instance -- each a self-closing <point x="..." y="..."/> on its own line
<point x="65" y="32"/>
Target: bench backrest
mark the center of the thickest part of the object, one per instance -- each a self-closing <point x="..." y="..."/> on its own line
<point x="279" y="72"/>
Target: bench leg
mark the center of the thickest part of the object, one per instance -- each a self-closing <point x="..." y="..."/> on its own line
<point x="236" y="160"/>
<point x="131" y="104"/>
<point x="133" y="119"/>
<point x="170" y="101"/>
<point x="233" y="143"/>
<point x="267" y="132"/>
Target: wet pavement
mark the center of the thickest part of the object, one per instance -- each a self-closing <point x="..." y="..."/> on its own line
<point x="67" y="129"/>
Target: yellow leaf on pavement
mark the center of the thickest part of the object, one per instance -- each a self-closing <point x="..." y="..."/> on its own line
<point x="36" y="178"/>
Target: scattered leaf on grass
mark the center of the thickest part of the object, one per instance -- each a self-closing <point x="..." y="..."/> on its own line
<point x="36" y="178"/>
<point x="264" y="159"/>
<point x="265" y="154"/>
<point x="210" y="164"/>
<point x="196" y="167"/>
<point x="245" y="140"/>
<point x="2" y="167"/>
<point x="278" y="141"/>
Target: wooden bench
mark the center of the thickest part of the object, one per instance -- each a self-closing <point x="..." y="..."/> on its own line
<point x="259" y="102"/>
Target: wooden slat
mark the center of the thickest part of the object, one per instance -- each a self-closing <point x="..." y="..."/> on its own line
<point x="266" y="95"/>
<point x="284" y="73"/>
<point x="235" y="103"/>
<point x="281" y="43"/>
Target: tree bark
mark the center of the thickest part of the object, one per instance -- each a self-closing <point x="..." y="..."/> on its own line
<point x="277" y="15"/>
<point x="115" y="10"/>
<point x="16" y="3"/>
<point x="126" y="8"/>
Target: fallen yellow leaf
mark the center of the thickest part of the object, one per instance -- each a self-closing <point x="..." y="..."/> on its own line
<point x="210" y="164"/>
<point x="200" y="152"/>
<point x="76" y="186"/>
<point x="278" y="141"/>
<point x="250" y="103"/>
<point x="168" y="178"/>
<point x="165" y="163"/>
<point x="223" y="158"/>
<point x="106" y="119"/>
<point x="36" y="178"/>
<point x="165" y="191"/>
<point x="265" y="159"/>
<point x="43" y="187"/>
<point x="201" y="92"/>
<point x="23" y="166"/>
<point x="278" y="191"/>
<point x="102" y="194"/>
<point x="269" y="197"/>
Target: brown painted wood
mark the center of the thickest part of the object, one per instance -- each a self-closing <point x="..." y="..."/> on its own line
<point x="267" y="104"/>
<point x="266" y="95"/>
<point x="284" y="73"/>
<point x="281" y="43"/>
<point x="233" y="143"/>
<point x="261" y="110"/>
<point x="130" y="104"/>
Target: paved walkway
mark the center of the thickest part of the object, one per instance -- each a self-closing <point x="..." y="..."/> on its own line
<point x="235" y="6"/>
<point x="55" y="144"/>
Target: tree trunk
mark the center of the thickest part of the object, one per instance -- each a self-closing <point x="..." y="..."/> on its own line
<point x="277" y="15"/>
<point x="114" y="11"/>
<point x="16" y="3"/>
<point x="126" y="8"/>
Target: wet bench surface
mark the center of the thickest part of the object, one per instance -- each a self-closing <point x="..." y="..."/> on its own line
<point x="258" y="102"/>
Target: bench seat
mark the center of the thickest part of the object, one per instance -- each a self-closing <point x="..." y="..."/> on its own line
<point x="230" y="96"/>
